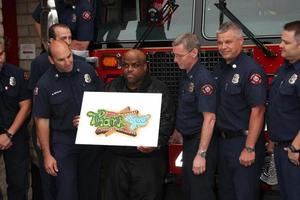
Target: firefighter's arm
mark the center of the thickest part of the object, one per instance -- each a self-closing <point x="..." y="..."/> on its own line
<point x="256" y="122"/>
<point x="199" y="164"/>
<point x="79" y="45"/>
<point x="43" y="133"/>
<point x="23" y="113"/>
<point x="5" y="138"/>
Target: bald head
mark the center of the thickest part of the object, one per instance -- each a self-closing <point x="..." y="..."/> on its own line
<point x="60" y="55"/>
<point x="135" y="54"/>
<point x="135" y="68"/>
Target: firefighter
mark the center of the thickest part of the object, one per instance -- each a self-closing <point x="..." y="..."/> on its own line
<point x="57" y="101"/>
<point x="38" y="67"/>
<point x="240" y="117"/>
<point x="78" y="15"/>
<point x="136" y="173"/>
<point x="15" y="107"/>
<point x="284" y="114"/>
<point x="195" y="120"/>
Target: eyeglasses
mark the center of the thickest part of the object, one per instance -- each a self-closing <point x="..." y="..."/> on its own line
<point x="180" y="56"/>
<point x="133" y="65"/>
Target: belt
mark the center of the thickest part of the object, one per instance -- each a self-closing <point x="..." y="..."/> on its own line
<point x="232" y="134"/>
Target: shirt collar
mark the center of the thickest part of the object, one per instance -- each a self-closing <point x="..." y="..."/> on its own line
<point x="295" y="65"/>
<point x="5" y="71"/>
<point x="57" y="74"/>
<point x="194" y="69"/>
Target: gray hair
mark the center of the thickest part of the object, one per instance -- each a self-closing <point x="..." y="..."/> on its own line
<point x="226" y="26"/>
<point x="188" y="40"/>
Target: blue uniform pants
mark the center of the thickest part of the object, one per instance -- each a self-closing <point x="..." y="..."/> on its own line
<point x="288" y="175"/>
<point x="202" y="186"/>
<point x="79" y="171"/>
<point x="16" y="160"/>
<point x="237" y="182"/>
<point x="47" y="181"/>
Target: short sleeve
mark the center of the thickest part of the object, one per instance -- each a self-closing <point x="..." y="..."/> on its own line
<point x="85" y="22"/>
<point x="41" y="106"/>
<point x="206" y="92"/>
<point x="256" y="87"/>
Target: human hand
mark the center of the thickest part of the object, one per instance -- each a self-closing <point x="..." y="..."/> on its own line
<point x="76" y="121"/>
<point x="5" y="142"/>
<point x="199" y="165"/>
<point x="176" y="138"/>
<point x="50" y="165"/>
<point x="145" y="149"/>
<point x="293" y="156"/>
<point x="247" y="158"/>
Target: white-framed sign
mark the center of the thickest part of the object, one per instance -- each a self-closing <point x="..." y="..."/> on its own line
<point x="120" y="119"/>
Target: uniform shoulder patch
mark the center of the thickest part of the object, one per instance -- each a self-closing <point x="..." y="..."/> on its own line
<point x="255" y="79"/>
<point x="86" y="15"/>
<point x="207" y="89"/>
<point x="36" y="91"/>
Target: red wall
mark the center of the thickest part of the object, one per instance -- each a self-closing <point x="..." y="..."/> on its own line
<point x="10" y="30"/>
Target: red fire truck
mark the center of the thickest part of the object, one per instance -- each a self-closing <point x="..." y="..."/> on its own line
<point x="153" y="24"/>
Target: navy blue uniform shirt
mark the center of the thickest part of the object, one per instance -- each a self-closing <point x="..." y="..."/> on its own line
<point x="197" y="94"/>
<point x="283" y="116"/>
<point x="39" y="66"/>
<point x="13" y="89"/>
<point x="58" y="96"/>
<point x="78" y="17"/>
<point x="242" y="85"/>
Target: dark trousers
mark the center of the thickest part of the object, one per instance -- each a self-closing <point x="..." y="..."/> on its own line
<point x="201" y="186"/>
<point x="237" y="182"/>
<point x="288" y="175"/>
<point x="16" y="160"/>
<point x="47" y="181"/>
<point x="131" y="178"/>
<point x="78" y="171"/>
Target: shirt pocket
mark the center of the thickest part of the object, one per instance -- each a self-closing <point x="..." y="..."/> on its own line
<point x="233" y="89"/>
<point x="60" y="105"/>
<point x="188" y="97"/>
<point x="287" y="90"/>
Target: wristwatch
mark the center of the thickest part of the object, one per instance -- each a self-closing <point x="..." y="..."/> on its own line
<point x="249" y="149"/>
<point x="293" y="149"/>
<point x="202" y="153"/>
<point x="8" y="134"/>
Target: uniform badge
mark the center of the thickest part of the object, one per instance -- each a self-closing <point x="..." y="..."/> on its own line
<point x="255" y="79"/>
<point x="293" y="79"/>
<point x="191" y="87"/>
<point x="235" y="78"/>
<point x="74" y="19"/>
<point x="12" y="81"/>
<point x="207" y="89"/>
<point x="87" y="78"/>
<point x="86" y="15"/>
<point x="36" y="91"/>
